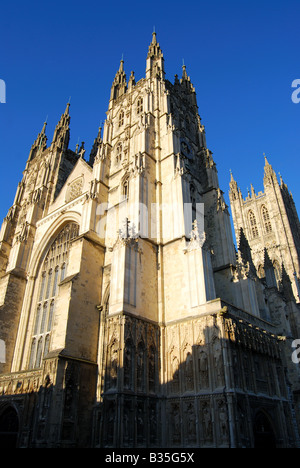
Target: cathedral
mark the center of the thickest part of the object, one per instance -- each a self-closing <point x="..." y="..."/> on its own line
<point x="129" y="315"/>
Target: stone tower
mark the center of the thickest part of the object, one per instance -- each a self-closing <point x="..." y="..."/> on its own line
<point x="270" y="222"/>
<point x="128" y="318"/>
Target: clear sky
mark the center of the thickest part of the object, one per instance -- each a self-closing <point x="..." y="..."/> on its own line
<point x="242" y="57"/>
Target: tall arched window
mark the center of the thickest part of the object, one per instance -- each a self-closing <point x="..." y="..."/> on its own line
<point x="253" y="224"/>
<point x="125" y="189"/>
<point x="266" y="219"/>
<point x="53" y="270"/>
<point x="121" y="118"/>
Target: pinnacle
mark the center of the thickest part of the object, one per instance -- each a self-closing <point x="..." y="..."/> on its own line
<point x="67" y="108"/>
<point x="154" y="48"/>
<point x="184" y="73"/>
<point x="121" y="69"/>
<point x="266" y="161"/>
<point x="154" y="40"/>
<point x="44" y="127"/>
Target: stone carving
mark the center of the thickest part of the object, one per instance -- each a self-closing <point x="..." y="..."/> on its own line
<point x="75" y="189"/>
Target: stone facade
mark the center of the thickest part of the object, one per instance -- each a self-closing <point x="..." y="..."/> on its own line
<point x="128" y="318"/>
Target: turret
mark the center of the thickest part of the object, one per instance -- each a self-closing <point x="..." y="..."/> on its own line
<point x="119" y="85"/>
<point x="155" y="60"/>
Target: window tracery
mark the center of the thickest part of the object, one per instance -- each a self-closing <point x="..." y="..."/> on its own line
<point x="266" y="219"/>
<point x="52" y="272"/>
<point x="121" y="118"/>
<point x="253" y="224"/>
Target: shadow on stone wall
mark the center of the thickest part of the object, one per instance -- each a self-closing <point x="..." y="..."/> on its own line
<point x="220" y="392"/>
<point x="227" y="392"/>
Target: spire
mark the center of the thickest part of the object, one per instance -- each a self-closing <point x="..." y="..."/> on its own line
<point x="186" y="81"/>
<point x="184" y="73"/>
<point x="119" y="85"/>
<point x="154" y="40"/>
<point x="40" y="143"/>
<point x="43" y="132"/>
<point x="154" y="48"/>
<point x="121" y="67"/>
<point x="61" y="135"/>
<point x="270" y="175"/>
<point x="233" y="188"/>
<point x="67" y="111"/>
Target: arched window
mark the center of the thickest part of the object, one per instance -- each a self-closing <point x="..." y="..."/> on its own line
<point x="126" y="188"/>
<point x="139" y="106"/>
<point x="121" y="118"/>
<point x="253" y="224"/>
<point x="266" y="219"/>
<point x="119" y="153"/>
<point x="55" y="261"/>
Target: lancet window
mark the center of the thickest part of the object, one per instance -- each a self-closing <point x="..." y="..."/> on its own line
<point x="121" y="118"/>
<point x="52" y="272"/>
<point x="119" y="153"/>
<point x="253" y="224"/>
<point x="266" y="219"/>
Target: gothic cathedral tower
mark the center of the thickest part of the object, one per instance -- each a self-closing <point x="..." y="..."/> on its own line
<point x="127" y="317"/>
<point x="270" y="222"/>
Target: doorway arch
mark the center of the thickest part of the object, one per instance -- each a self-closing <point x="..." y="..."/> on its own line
<point x="264" y="435"/>
<point x="9" y="427"/>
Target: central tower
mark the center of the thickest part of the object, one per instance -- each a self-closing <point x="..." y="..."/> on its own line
<point x="174" y="237"/>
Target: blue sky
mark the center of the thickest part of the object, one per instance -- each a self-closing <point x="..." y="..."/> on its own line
<point x="242" y="57"/>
